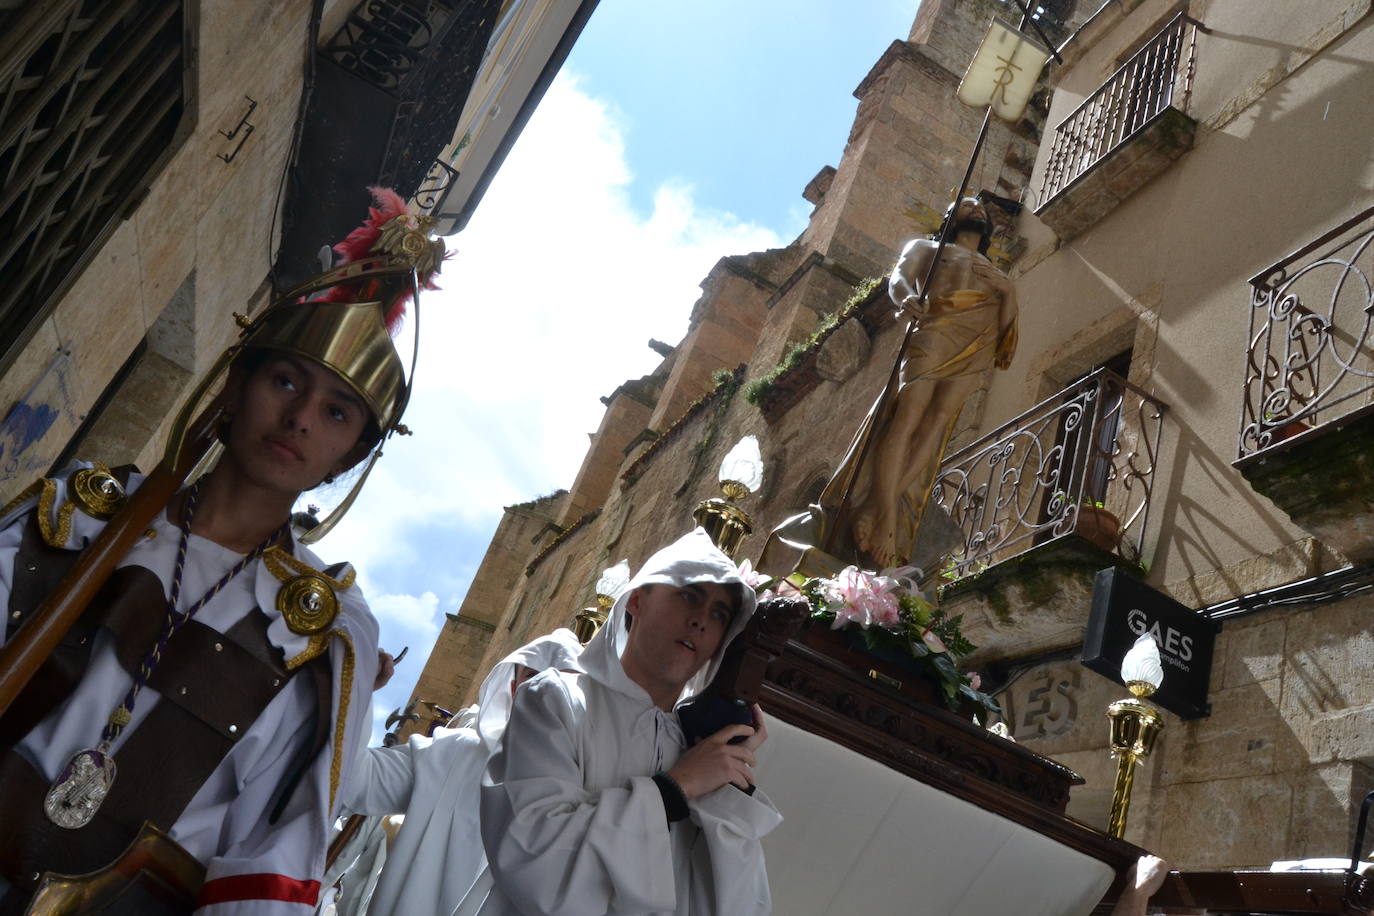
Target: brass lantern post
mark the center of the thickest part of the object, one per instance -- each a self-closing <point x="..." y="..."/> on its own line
<point x="613" y="579"/>
<point x="1135" y="725"/>
<point x="741" y="473"/>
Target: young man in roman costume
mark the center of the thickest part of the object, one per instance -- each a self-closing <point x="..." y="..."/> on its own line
<point x="592" y="805"/>
<point x="218" y="683"/>
<point x="437" y="858"/>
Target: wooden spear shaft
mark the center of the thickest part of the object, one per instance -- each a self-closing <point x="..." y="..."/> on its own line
<point x="346" y="833"/>
<point x="894" y="377"/>
<point x="22" y="656"/>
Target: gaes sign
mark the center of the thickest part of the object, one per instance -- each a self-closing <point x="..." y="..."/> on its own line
<point x="1123" y="609"/>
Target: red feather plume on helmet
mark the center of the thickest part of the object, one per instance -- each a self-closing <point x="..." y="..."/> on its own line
<point x="363" y="242"/>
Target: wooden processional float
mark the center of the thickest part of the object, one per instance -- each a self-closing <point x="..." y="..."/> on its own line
<point x="895" y="804"/>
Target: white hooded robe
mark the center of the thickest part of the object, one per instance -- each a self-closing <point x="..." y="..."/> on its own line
<point x="572" y="820"/>
<point x="437" y="856"/>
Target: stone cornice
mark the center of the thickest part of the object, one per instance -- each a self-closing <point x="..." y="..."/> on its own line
<point x="463" y="620"/>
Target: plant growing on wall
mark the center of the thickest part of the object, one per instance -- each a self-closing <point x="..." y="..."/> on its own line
<point x="757" y="390"/>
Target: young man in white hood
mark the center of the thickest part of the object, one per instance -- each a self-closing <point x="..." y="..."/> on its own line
<point x="593" y="805"/>
<point x="436" y="861"/>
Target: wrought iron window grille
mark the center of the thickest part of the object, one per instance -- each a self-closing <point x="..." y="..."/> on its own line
<point x="1029" y="480"/>
<point x="424" y="54"/>
<point x="95" y="97"/>
<point x="1154" y="78"/>
<point x="1309" y="360"/>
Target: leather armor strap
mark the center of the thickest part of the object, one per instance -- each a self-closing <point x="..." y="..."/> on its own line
<point x="39" y="568"/>
<point x="212" y="686"/>
<point x="161" y="764"/>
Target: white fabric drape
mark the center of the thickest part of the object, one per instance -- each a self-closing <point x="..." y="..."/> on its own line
<point x="863" y="838"/>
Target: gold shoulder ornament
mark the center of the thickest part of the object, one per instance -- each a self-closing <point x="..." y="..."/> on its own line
<point x="97" y="492"/>
<point x="307" y="599"/>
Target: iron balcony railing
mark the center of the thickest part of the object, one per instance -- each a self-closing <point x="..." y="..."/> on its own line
<point x="1310" y="360"/>
<point x="1072" y="463"/>
<point x="425" y="54"/>
<point x="1156" y="77"/>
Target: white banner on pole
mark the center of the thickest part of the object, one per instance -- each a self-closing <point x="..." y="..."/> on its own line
<point x="1004" y="71"/>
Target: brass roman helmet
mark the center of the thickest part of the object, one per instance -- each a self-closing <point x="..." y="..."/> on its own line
<point x="350" y="338"/>
<point x="344" y="319"/>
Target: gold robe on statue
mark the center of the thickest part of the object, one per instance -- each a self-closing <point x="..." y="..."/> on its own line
<point x="957" y="340"/>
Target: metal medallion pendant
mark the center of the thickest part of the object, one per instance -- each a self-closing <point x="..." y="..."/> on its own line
<point x="80" y="788"/>
<point x="308" y="604"/>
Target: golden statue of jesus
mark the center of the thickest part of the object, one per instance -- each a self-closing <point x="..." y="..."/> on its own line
<point x="966" y="325"/>
<point x="871" y="509"/>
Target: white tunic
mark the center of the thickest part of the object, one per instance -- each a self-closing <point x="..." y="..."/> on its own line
<point x="437" y="860"/>
<point x="438" y="853"/>
<point x="572" y="820"/>
<point x="574" y="824"/>
<point x="225" y="825"/>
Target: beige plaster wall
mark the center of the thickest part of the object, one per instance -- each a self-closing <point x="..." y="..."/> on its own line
<point x="1176" y="256"/>
<point x="1278" y="769"/>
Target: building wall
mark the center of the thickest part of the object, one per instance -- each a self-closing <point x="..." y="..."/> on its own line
<point x="194" y="250"/>
<point x="1282" y="154"/>
<point x="1279" y="767"/>
<point x="199" y="245"/>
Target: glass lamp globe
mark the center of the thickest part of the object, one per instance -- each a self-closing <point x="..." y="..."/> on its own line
<point x="1142" y="669"/>
<point x="741" y="471"/>
<point x="613" y="580"/>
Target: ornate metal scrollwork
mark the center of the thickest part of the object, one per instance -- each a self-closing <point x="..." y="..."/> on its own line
<point x="1027" y="482"/>
<point x="439" y="180"/>
<point x="1309" y="359"/>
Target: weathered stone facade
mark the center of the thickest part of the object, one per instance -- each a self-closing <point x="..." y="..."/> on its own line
<point x="108" y="364"/>
<point x="1277" y="769"/>
<point x="193" y="251"/>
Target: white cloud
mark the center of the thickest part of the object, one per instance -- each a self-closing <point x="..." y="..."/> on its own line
<point x="417" y="614"/>
<point x="554" y="292"/>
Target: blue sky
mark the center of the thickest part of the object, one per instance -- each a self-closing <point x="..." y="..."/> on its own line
<point x="743" y="99"/>
<point x="675" y="135"/>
